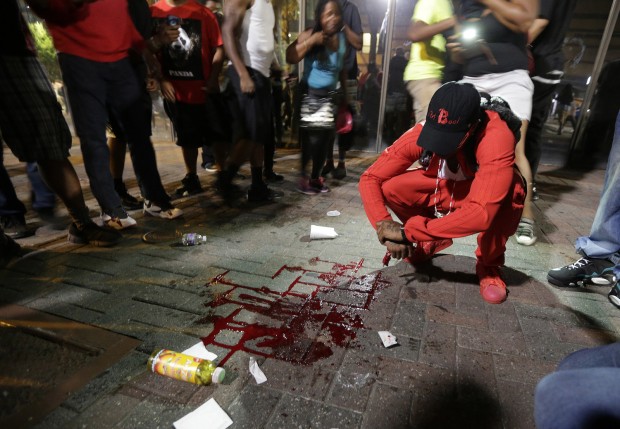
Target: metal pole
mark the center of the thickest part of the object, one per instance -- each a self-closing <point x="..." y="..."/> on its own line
<point x="596" y="71"/>
<point x="391" y="12"/>
<point x="301" y="27"/>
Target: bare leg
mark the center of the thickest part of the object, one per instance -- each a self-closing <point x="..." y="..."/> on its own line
<point x="525" y="231"/>
<point x="190" y="158"/>
<point x="524" y="167"/>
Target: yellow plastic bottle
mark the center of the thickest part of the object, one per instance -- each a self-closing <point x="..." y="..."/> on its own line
<point x="185" y="368"/>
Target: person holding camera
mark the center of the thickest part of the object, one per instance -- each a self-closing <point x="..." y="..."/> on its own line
<point x="190" y="67"/>
<point x="467" y="184"/>
<point x="492" y="46"/>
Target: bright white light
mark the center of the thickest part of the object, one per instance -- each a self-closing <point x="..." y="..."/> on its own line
<point x="469" y="34"/>
<point x="588" y="81"/>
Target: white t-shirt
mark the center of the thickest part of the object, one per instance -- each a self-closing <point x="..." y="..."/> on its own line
<point x="257" y="40"/>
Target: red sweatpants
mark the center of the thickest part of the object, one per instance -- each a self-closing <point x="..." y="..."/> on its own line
<point x="413" y="194"/>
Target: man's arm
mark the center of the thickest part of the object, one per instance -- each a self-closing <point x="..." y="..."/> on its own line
<point x="419" y="31"/>
<point x="353" y="28"/>
<point x="393" y="161"/>
<point x="518" y="15"/>
<point x="234" y="12"/>
<point x="537" y="27"/>
<point x="213" y="85"/>
<point x="353" y="38"/>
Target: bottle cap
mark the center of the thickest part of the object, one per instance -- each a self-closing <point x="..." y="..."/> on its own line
<point x="218" y="375"/>
<point x="204" y="238"/>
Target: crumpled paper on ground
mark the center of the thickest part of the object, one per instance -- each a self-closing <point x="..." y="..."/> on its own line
<point x="200" y="351"/>
<point x="388" y="339"/>
<point x="209" y="413"/>
<point x="255" y="370"/>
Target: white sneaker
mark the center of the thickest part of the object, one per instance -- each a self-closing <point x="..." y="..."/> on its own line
<point x="525" y="233"/>
<point x="116" y="222"/>
<point x="168" y="213"/>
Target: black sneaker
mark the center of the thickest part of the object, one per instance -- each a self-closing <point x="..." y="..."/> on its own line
<point x="9" y="249"/>
<point x="584" y="271"/>
<point x="327" y="168"/>
<point x="340" y="172"/>
<point x="614" y="294"/>
<point x="91" y="233"/>
<point x="190" y="185"/>
<point x="273" y="177"/>
<point x="128" y="201"/>
<point x="14" y="226"/>
<point x="226" y="188"/>
<point x="258" y="194"/>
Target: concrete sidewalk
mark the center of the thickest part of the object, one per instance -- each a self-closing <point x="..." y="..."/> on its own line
<point x="309" y="311"/>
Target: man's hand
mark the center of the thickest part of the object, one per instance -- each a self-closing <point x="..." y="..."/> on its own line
<point x="388" y="230"/>
<point x="399" y="251"/>
<point x="168" y="33"/>
<point x="167" y="90"/>
<point x="247" y="84"/>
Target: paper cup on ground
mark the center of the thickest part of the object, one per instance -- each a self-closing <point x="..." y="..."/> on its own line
<point x="322" y="232"/>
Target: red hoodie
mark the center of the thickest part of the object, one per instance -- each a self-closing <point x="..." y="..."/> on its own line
<point x="100" y="31"/>
<point x="484" y="192"/>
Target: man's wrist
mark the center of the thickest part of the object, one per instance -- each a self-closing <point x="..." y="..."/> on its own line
<point x="404" y="236"/>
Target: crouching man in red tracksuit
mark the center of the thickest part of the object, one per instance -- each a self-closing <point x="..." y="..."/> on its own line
<point x="468" y="184"/>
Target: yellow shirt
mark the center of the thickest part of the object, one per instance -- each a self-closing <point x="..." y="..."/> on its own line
<point x="426" y="59"/>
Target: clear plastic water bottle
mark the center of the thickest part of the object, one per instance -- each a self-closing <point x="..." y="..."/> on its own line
<point x="193" y="239"/>
<point x="185" y="368"/>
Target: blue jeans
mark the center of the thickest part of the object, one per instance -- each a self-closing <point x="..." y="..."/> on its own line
<point x="10" y="205"/>
<point x="604" y="239"/>
<point x="93" y="88"/>
<point x="583" y="392"/>
<point x="42" y="196"/>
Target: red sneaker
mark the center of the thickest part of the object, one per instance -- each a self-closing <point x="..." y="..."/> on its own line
<point x="426" y="249"/>
<point x="492" y="287"/>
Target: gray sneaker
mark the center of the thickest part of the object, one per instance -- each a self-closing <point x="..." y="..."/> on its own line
<point x="525" y="233"/>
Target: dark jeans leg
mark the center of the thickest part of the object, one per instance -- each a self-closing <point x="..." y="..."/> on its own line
<point x="43" y="197"/>
<point x="10" y="205"/>
<point x="540" y="109"/>
<point x="87" y="87"/>
<point x="125" y="95"/>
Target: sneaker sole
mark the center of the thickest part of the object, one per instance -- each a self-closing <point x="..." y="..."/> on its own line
<point x="97" y="243"/>
<point x="526" y="241"/>
<point x="116" y="227"/>
<point x="614" y="300"/>
<point x="604" y="280"/>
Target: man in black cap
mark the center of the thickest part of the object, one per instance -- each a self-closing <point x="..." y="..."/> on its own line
<point x="468" y="184"/>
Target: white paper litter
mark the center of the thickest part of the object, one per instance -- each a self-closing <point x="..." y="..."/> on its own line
<point x="388" y="339"/>
<point x="255" y="370"/>
<point x="333" y="213"/>
<point x="320" y="232"/>
<point x="200" y="351"/>
<point x="209" y="414"/>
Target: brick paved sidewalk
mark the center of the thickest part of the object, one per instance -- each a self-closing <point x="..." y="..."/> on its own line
<point x="309" y="311"/>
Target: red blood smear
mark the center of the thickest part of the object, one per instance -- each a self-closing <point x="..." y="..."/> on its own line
<point x="292" y="324"/>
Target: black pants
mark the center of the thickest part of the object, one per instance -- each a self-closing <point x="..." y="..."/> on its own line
<point x="543" y="92"/>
